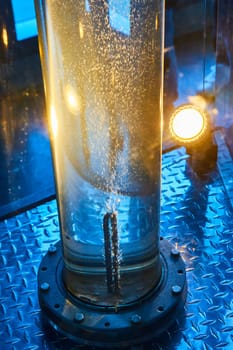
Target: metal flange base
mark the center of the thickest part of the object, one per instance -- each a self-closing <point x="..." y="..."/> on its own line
<point x="108" y="327"/>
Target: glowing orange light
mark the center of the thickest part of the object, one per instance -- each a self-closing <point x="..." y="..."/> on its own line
<point x="188" y="123"/>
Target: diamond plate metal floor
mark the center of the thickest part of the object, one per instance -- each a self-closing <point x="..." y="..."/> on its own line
<point x="196" y="216"/>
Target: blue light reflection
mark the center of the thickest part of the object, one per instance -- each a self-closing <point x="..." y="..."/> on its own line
<point x="25" y="19"/>
<point x="119" y="15"/>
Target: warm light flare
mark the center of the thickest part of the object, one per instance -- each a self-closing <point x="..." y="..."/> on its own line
<point x="72" y="99"/>
<point x="81" y="31"/>
<point x="188" y="123"/>
<point x="53" y="121"/>
<point x="4" y="37"/>
<point x="156" y="22"/>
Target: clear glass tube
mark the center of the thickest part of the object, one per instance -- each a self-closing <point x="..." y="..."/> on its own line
<point x="103" y="71"/>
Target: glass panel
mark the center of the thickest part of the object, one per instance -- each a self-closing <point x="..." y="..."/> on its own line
<point x="24" y="145"/>
<point x="224" y="75"/>
<point x="224" y="86"/>
<point x="189" y="56"/>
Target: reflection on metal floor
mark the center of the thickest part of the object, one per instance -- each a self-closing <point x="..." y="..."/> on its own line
<point x="197" y="217"/>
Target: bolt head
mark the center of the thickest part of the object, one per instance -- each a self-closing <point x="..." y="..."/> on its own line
<point x="52" y="249"/>
<point x="79" y="317"/>
<point x="136" y="319"/>
<point x="44" y="287"/>
<point x="176" y="289"/>
<point x="175" y="253"/>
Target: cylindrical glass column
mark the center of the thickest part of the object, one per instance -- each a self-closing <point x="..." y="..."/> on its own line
<point x="103" y="70"/>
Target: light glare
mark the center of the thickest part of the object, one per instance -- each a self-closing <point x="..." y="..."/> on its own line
<point x="72" y="99"/>
<point x="188" y="123"/>
<point x="53" y="120"/>
<point x="5" y="37"/>
<point x="81" y="30"/>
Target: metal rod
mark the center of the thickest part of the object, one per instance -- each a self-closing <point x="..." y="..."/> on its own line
<point x="107" y="247"/>
<point x="115" y="251"/>
<point x="111" y="246"/>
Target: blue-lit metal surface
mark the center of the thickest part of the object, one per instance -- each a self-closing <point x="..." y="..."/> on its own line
<point x="197" y="217"/>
